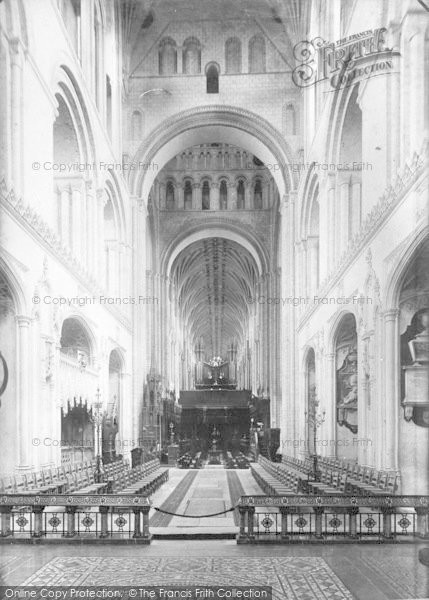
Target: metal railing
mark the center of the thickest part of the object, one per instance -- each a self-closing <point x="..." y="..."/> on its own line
<point x="333" y="518"/>
<point x="74" y="517"/>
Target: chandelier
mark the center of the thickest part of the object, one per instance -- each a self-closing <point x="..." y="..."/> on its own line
<point x="216" y="361"/>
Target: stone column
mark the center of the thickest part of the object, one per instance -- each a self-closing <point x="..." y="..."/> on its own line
<point x="6" y="513"/>
<point x="422" y="521"/>
<point x="391" y="399"/>
<point x="265" y="194"/>
<point x="137" y="527"/>
<point x="104" y="525"/>
<point x="250" y="522"/>
<point x="16" y="98"/>
<point x="65" y="229"/>
<point x="312" y="265"/>
<point x="232" y="196"/>
<point x="146" y="533"/>
<point x="243" y="511"/>
<point x="329" y="386"/>
<point x="387" y="511"/>
<point x="353" y="512"/>
<point x="302" y="276"/>
<point x="38" y="521"/>
<point x="343" y="221"/>
<point x="91" y="241"/>
<point x="289" y="288"/>
<point x="356" y="208"/>
<point x="214" y="197"/>
<point x="196" y="196"/>
<point x="248" y="196"/>
<point x="75" y="221"/>
<point x="318" y="511"/>
<point x="284" y="511"/>
<point x="101" y="202"/>
<point x="332" y="259"/>
<point x="70" y="512"/>
<point x="180" y="197"/>
<point x="162" y="195"/>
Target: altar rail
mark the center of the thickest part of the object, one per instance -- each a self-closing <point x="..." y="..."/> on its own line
<point x="333" y="518"/>
<point x="80" y="517"/>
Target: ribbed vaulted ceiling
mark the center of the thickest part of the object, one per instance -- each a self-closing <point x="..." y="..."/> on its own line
<point x="214" y="280"/>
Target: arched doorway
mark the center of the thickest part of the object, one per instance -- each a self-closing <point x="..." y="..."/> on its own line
<point x="414" y="379"/>
<point x="346" y="395"/>
<point x="77" y="376"/>
<point x="111" y="450"/>
<point x="310" y="397"/>
<point x="8" y="376"/>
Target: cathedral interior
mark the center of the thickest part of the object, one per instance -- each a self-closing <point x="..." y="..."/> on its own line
<point x="214" y="294"/>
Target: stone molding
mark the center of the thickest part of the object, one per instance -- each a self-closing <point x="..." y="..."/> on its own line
<point x="387" y="203"/>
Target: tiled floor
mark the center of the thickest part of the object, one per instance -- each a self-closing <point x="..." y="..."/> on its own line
<point x="208" y="493"/>
<point x="367" y="572"/>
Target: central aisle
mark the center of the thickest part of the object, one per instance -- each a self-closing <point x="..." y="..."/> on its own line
<point x="194" y="494"/>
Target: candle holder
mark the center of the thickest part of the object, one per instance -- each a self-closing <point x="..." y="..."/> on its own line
<point x="315" y="420"/>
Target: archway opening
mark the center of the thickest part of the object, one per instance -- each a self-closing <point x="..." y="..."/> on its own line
<point x="346" y="398"/>
<point x="414" y="361"/>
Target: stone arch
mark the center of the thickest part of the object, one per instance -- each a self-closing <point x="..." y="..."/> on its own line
<point x="221" y="124"/>
<point x="399" y="272"/>
<point x="11" y="368"/>
<point x="66" y="86"/>
<point x="228" y="232"/>
<point x="76" y="334"/>
<point x="345" y="348"/>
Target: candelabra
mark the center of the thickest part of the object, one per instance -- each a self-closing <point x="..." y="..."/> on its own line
<point x="98" y="420"/>
<point x="315" y="420"/>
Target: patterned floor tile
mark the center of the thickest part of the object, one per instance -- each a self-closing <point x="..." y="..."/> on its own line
<point x="292" y="578"/>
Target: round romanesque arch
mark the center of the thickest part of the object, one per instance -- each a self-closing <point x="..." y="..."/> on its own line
<point x="218" y="124"/>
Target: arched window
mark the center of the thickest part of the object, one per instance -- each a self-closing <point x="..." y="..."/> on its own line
<point x="109" y="230"/>
<point x="188" y="195"/>
<point x="167" y="57"/>
<point x="257" y="55"/>
<point x="212" y="78"/>
<point x="206" y="196"/>
<point x="240" y="194"/>
<point x="191" y="56"/>
<point x="348" y="220"/>
<point x="233" y="55"/>
<point x="136" y="125"/>
<point x="71" y="13"/>
<point x="169" y="196"/>
<point x="223" y="195"/>
<point x="257" y="194"/>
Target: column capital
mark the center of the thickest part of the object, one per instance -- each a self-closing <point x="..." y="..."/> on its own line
<point x="101" y="195"/>
<point x="391" y="314"/>
<point x="23" y="320"/>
